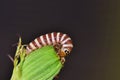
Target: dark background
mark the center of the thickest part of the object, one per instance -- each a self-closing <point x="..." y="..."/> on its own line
<point x="94" y="26"/>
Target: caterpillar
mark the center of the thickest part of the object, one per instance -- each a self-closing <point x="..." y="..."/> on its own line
<point x="61" y="42"/>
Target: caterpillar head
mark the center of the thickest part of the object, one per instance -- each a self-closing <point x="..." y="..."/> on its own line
<point x="66" y="50"/>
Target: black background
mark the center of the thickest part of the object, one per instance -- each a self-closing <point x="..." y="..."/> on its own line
<point x="92" y="25"/>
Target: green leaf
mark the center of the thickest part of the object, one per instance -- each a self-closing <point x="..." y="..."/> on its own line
<point x="41" y="64"/>
<point x="20" y="53"/>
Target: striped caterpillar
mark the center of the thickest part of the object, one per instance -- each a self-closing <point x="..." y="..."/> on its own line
<point x="61" y="42"/>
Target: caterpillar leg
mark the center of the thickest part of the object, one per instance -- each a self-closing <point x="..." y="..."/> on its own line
<point x="56" y="77"/>
<point x="57" y="47"/>
<point x="62" y="60"/>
